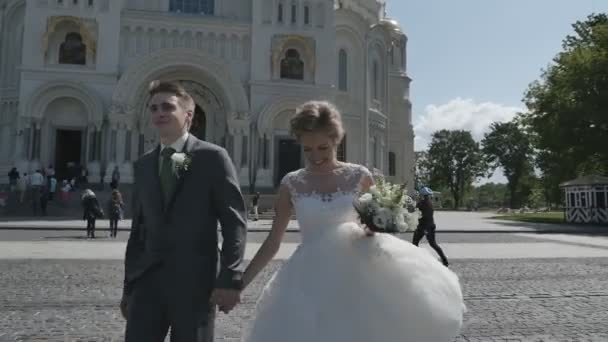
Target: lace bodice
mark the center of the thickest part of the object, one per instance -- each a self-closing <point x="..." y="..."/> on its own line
<point x="323" y="201"/>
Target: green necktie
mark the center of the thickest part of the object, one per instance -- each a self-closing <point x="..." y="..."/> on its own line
<point x="167" y="177"/>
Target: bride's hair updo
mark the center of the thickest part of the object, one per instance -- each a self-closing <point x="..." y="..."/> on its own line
<point x="314" y="116"/>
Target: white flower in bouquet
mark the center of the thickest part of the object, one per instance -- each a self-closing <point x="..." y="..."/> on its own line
<point x="374" y="191"/>
<point x="400" y="222"/>
<point x="366" y="199"/>
<point x="383" y="218"/>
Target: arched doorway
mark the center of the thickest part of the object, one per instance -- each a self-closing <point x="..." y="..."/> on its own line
<point x="199" y="123"/>
<point x="66" y="131"/>
<point x="288" y="152"/>
<point x="208" y="122"/>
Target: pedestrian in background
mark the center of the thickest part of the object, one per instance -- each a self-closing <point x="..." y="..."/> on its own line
<point x="426" y="223"/>
<point x="115" y="211"/>
<point x="254" y="203"/>
<point x="92" y="211"/>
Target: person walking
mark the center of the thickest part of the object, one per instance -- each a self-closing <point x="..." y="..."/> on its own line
<point x="426" y="223"/>
<point x="91" y="211"/>
<point x="115" y="211"/>
<point x="254" y="203"/>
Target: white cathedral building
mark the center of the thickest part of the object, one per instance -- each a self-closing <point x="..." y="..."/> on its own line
<point x="74" y="77"/>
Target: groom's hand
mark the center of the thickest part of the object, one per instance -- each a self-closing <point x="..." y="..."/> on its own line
<point x="225" y="299"/>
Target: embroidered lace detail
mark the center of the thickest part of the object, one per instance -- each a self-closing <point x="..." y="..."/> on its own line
<point x="343" y="180"/>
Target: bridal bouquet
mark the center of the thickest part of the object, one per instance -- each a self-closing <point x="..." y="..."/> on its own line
<point x="384" y="208"/>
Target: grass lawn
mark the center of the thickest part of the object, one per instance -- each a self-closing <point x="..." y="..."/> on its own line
<point x="549" y="217"/>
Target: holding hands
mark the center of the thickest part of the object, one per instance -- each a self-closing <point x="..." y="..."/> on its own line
<point x="225" y="299"/>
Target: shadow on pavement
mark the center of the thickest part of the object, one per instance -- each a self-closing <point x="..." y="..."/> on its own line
<point x="554" y="228"/>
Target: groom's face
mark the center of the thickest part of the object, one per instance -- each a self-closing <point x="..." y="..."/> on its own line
<point x="169" y="116"/>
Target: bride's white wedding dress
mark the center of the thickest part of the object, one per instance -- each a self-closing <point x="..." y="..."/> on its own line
<point x="343" y="286"/>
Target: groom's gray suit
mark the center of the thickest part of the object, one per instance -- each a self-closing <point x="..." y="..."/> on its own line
<point x="172" y="262"/>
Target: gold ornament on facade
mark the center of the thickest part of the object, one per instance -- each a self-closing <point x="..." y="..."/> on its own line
<point x="87" y="37"/>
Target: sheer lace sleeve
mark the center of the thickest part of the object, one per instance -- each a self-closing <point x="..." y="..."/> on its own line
<point x="365" y="178"/>
<point x="287" y="181"/>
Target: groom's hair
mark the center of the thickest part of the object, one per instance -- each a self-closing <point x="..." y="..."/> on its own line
<point x="185" y="100"/>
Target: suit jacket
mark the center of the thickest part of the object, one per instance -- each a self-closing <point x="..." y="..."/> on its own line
<point x="182" y="234"/>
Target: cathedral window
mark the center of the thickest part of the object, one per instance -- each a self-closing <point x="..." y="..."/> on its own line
<point x="294" y="13"/>
<point x="280" y="13"/>
<point x="192" y="6"/>
<point x="375" y="80"/>
<point x="392" y="164"/>
<point x="306" y="15"/>
<point x="292" y="67"/>
<point x="342" y="70"/>
<point x="73" y="50"/>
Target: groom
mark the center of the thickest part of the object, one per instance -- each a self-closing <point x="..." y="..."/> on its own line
<point x="174" y="273"/>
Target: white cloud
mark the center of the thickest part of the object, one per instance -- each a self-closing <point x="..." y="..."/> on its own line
<point x="462" y="114"/>
<point x="459" y="113"/>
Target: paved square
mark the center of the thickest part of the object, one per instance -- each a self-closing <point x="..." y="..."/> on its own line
<point x="519" y="285"/>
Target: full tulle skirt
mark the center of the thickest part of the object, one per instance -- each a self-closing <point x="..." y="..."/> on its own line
<point x="346" y="287"/>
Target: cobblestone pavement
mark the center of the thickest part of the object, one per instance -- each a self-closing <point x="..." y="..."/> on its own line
<point x="508" y="300"/>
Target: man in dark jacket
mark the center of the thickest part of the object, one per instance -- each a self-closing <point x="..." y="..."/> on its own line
<point x="426" y="223"/>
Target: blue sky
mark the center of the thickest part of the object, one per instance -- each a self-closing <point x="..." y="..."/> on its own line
<point x="472" y="60"/>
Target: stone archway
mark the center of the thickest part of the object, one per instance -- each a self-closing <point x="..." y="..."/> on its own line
<point x="211" y="83"/>
<point x="64" y="133"/>
<point x="272" y="125"/>
<point x="56" y="105"/>
<point x="210" y="113"/>
<point x="199" y="123"/>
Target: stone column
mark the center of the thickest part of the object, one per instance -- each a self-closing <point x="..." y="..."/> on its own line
<point x="120" y="144"/>
<point x="237" y="147"/>
<point x="245" y="155"/>
<point x="238" y="126"/>
<point x="22" y="146"/>
<point x="4" y="138"/>
<point x="241" y="154"/>
<point x="19" y="143"/>
<point x="35" y="157"/>
<point x="37" y="137"/>
<point x="127" y="155"/>
<point x="381" y="158"/>
<point x="94" y="164"/>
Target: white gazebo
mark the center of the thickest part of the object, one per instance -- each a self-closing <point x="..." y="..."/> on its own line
<point x="586" y="199"/>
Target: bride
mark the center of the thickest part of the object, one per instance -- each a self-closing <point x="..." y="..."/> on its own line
<point x="345" y="283"/>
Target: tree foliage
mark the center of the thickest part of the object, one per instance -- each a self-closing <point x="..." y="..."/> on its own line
<point x="454" y="162"/>
<point x="568" y="107"/>
<point x="507" y="146"/>
<point x="422" y="173"/>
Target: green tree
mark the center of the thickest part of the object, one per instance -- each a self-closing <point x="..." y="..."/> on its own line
<point x="508" y="146"/>
<point x="454" y="161"/>
<point x="422" y="172"/>
<point x="490" y="195"/>
<point x="568" y="107"/>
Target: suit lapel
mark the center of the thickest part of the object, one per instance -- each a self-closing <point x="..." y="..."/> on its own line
<point x="188" y="146"/>
<point x="152" y="179"/>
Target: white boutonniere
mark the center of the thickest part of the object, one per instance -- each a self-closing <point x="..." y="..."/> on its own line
<point x="181" y="163"/>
